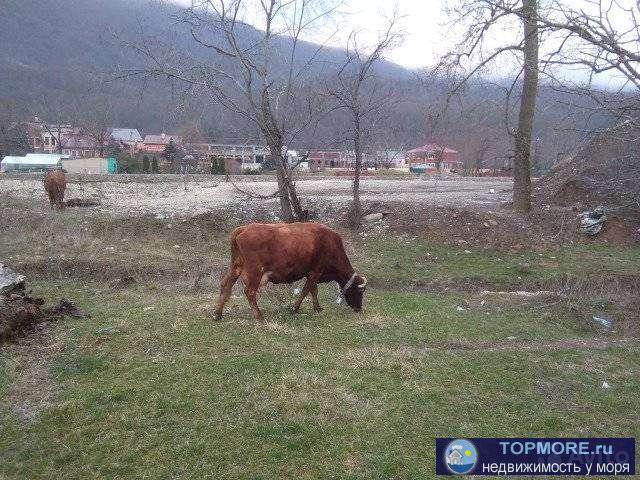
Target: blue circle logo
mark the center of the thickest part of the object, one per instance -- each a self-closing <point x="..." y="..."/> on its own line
<point x="460" y="456"/>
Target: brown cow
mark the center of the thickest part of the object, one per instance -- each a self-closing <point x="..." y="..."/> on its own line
<point x="55" y="184"/>
<point x="285" y="253"/>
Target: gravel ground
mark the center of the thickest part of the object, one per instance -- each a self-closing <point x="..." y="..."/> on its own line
<point x="188" y="198"/>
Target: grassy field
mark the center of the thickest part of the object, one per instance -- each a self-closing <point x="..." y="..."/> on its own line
<point x="150" y="387"/>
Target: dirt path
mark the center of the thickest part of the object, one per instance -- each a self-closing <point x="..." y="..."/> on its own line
<point x="515" y="346"/>
<point x="189" y="198"/>
<point x="362" y="356"/>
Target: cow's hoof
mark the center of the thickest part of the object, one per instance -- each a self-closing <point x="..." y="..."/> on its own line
<point x="217" y="317"/>
<point x="317" y="309"/>
<point x="295" y="309"/>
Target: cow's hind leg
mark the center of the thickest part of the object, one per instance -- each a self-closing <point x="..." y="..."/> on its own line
<point x="252" y="281"/>
<point x="225" y="289"/>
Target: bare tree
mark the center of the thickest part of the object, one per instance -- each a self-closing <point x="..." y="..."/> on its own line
<point x="250" y="72"/>
<point x="601" y="36"/>
<point x="58" y="118"/>
<point x="482" y="17"/>
<point x="356" y="89"/>
<point x="602" y="39"/>
<point x="523" y="133"/>
<point x="96" y="118"/>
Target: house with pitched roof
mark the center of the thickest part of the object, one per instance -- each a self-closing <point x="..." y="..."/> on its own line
<point x="434" y="157"/>
<point x="157" y="143"/>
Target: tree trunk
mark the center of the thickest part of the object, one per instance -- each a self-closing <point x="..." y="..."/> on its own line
<point x="356" y="209"/>
<point x="299" y="214"/>
<point x="522" y="153"/>
<point x="290" y="208"/>
<point x="286" y="212"/>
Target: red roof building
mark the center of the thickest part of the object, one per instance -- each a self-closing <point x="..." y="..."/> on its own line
<point x="433" y="155"/>
<point x="158" y="143"/>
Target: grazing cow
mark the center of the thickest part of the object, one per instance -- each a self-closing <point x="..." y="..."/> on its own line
<point x="285" y="253"/>
<point x="55" y="184"/>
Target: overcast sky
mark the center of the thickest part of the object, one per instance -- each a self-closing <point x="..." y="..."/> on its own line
<point x="426" y="30"/>
<point x="422" y="23"/>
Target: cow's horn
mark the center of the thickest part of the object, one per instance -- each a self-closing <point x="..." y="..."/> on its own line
<point x="364" y="282"/>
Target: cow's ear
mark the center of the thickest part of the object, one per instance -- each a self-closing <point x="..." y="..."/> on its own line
<point x="362" y="282"/>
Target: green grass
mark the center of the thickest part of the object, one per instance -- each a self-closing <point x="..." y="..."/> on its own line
<point x="165" y="392"/>
<point x="404" y="259"/>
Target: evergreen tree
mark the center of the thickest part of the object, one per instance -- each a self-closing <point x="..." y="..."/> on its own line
<point x="217" y="166"/>
<point x="172" y="154"/>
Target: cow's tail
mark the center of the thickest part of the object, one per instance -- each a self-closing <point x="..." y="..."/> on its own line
<point x="236" y="260"/>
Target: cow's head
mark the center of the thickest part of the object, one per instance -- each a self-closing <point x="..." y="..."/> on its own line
<point x="353" y="293"/>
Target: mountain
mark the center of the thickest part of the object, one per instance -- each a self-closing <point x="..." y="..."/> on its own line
<point x="55" y="52"/>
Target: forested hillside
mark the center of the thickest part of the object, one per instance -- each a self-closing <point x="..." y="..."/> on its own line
<point x="56" y="55"/>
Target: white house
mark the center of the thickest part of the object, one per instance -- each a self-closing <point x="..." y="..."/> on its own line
<point x="455" y="457"/>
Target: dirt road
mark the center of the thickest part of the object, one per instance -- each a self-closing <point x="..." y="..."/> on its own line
<point x="187" y="198"/>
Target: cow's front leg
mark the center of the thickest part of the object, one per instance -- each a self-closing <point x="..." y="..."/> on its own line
<point x="303" y="293"/>
<point x="314" y="298"/>
<point x="309" y="286"/>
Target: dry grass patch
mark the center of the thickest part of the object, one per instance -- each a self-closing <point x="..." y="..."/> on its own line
<point x="28" y="363"/>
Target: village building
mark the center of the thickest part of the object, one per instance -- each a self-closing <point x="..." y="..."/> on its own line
<point x="433" y="157"/>
<point x="151" y="152"/>
<point x="158" y="143"/>
<point x="48" y="137"/>
<point x="127" y="138"/>
<point x="346" y="159"/>
<point x="228" y="158"/>
<point x="32" y="162"/>
<point x="77" y="145"/>
<point x="321" y="159"/>
<point x="90" y="166"/>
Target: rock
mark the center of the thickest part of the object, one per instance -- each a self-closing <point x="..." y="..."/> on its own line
<point x="493" y="222"/>
<point x="10" y="280"/>
<point x="603" y="322"/>
<point x="372" y="217"/>
<point x="591" y="222"/>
